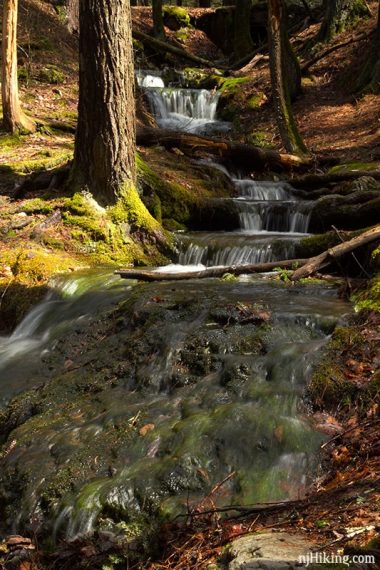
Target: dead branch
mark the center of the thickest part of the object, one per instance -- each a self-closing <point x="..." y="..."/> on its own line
<point x="252" y="157"/>
<point x="166" y="47"/>
<point x="144" y="275"/>
<point x="322" y="54"/>
<point x="329" y="255"/>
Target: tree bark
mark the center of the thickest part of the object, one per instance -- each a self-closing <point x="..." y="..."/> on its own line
<point x="13" y="118"/>
<point x="243" y="43"/>
<point x="340" y="15"/>
<point x="104" y="158"/>
<point x="279" y="58"/>
<point x="158" y="20"/>
<point x="369" y="78"/>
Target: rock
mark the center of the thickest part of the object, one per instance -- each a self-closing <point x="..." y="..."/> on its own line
<point x="269" y="551"/>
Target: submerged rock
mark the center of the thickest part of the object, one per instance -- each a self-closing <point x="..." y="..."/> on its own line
<point x="140" y="408"/>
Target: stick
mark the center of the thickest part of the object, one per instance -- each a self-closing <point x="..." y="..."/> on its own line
<point x="320" y="260"/>
<point x="164" y="46"/>
<point x="145" y="275"/>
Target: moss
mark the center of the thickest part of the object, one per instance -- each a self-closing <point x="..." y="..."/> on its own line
<point x="174" y="200"/>
<point x="182" y="34"/>
<point x="330" y="385"/>
<point x="9" y="141"/>
<point x="229" y="86"/>
<point x="45" y="161"/>
<point x="369" y="300"/>
<point x="178" y="14"/>
<point x="51" y="74"/>
<point x="256" y="101"/>
<point x="36" y="206"/>
<point x="353" y="166"/>
<point x="313" y="245"/>
<point x="259" y="138"/>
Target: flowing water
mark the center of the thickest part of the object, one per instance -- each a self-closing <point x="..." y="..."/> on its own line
<point x="142" y="397"/>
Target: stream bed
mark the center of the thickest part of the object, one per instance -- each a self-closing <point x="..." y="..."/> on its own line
<point x="132" y="401"/>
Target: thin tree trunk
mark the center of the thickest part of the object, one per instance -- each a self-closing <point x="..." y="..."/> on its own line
<point x="279" y="67"/>
<point x="369" y="78"/>
<point x="242" y="29"/>
<point x="158" y="20"/>
<point x="340" y="15"/>
<point x="13" y="118"/>
<point x="104" y="160"/>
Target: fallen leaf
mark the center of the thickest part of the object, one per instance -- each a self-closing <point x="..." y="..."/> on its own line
<point x="145" y="429"/>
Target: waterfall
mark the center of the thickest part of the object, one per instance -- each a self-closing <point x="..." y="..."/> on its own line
<point x="190" y="110"/>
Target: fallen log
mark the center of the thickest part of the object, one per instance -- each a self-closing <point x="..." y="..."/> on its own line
<point x="249" y="156"/>
<point x="321" y="180"/>
<point x="166" y="47"/>
<point x="145" y="275"/>
<point x="315" y="263"/>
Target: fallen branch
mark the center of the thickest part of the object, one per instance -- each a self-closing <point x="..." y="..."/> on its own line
<point x="166" y="47"/>
<point x="252" y="157"/>
<point x="320" y="180"/>
<point x="144" y="275"/>
<point x="315" y="263"/>
<point x="322" y="54"/>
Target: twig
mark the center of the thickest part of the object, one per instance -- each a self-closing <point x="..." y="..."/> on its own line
<point x="365" y="424"/>
<point x="352" y="253"/>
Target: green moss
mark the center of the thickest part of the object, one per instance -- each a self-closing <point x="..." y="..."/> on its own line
<point x="230" y="85"/>
<point x="369" y="300"/>
<point x="36" y="206"/>
<point x="259" y="138"/>
<point x="177" y="13"/>
<point x="353" y="166"/>
<point x="45" y="161"/>
<point x="9" y="141"/>
<point x="256" y="101"/>
<point x="182" y="34"/>
<point x="51" y="74"/>
<point x="174" y="200"/>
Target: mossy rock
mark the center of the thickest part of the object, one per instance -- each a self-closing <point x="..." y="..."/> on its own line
<point x="176" y="17"/>
<point x="369" y="300"/>
<point x="230" y="86"/>
<point x="51" y="74"/>
<point x="354" y="166"/>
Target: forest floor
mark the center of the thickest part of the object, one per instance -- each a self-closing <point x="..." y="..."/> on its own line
<point x="333" y="123"/>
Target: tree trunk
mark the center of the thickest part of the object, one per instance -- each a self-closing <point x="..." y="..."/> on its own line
<point x="369" y="78"/>
<point x="13" y="119"/>
<point x="158" y="21"/>
<point x="279" y="58"/>
<point x="104" y="159"/>
<point x="243" y="44"/>
<point x="340" y="15"/>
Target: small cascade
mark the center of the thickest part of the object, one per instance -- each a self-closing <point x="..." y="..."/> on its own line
<point x="271" y="219"/>
<point x="234" y="248"/>
<point x="190" y="110"/>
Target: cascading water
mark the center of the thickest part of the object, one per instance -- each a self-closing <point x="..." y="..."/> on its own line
<point x="141" y="407"/>
<point x="190" y="110"/>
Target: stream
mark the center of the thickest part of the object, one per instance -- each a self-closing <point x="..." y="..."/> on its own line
<point x="141" y="397"/>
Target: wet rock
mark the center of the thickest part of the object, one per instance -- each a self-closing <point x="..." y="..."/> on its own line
<point x="269" y="551"/>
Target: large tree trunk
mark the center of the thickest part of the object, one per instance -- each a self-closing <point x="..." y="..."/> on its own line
<point x="158" y="20"/>
<point x="280" y="66"/>
<point x="369" y="78"/>
<point x="243" y="44"/>
<point x="13" y="119"/>
<point x="104" y="160"/>
<point x="340" y="15"/>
